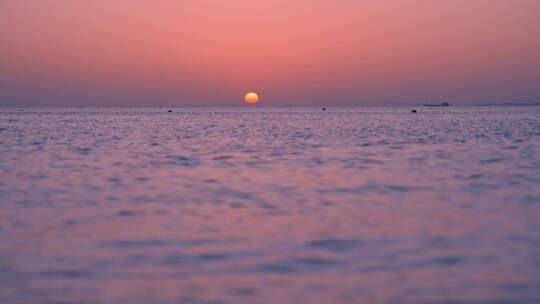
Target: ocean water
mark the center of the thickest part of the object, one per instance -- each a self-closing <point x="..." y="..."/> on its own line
<point x="270" y="205"/>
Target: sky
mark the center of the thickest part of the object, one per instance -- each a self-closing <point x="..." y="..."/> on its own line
<point x="291" y="52"/>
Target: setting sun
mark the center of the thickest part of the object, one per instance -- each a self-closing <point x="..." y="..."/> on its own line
<point x="251" y="98"/>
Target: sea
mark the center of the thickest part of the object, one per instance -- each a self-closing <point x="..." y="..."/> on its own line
<point x="270" y="205"/>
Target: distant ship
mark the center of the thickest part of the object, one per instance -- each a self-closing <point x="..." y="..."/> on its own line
<point x="444" y="104"/>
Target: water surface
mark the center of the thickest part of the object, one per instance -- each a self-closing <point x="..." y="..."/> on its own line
<point x="270" y="205"/>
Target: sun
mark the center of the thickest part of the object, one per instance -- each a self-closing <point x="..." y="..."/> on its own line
<point x="251" y="98"/>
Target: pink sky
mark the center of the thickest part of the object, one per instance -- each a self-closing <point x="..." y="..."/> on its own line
<point x="301" y="52"/>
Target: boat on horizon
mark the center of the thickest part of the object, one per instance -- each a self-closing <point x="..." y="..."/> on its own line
<point x="443" y="104"/>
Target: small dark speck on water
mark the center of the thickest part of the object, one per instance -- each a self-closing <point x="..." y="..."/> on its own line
<point x="324" y="109"/>
<point x="170" y="111"/>
<point x="413" y="111"/>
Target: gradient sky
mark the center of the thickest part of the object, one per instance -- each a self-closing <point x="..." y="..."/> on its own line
<point x="292" y="52"/>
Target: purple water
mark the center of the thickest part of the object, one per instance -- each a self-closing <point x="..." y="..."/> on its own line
<point x="270" y="205"/>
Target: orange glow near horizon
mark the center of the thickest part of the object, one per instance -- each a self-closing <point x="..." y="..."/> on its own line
<point x="299" y="52"/>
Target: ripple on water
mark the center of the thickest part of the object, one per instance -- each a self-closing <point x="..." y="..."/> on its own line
<point x="172" y="160"/>
<point x="154" y="243"/>
<point x="68" y="274"/>
<point x="332" y="244"/>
